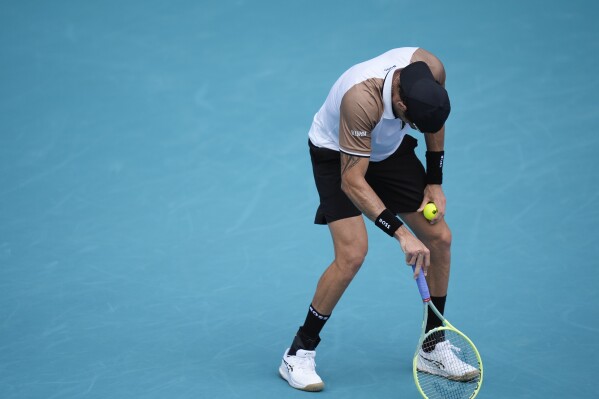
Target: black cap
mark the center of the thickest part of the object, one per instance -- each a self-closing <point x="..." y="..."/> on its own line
<point x="427" y="102"/>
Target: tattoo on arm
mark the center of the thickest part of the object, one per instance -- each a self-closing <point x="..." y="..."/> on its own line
<point x="348" y="162"/>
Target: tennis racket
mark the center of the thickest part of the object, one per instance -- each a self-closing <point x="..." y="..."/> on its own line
<point x="446" y="364"/>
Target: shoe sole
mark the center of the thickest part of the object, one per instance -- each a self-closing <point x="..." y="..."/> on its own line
<point x="308" y="388"/>
<point x="472" y="375"/>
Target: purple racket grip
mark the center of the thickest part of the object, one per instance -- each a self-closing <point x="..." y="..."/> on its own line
<point x="422" y="285"/>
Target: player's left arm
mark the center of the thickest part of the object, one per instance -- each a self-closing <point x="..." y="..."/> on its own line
<point x="435" y="142"/>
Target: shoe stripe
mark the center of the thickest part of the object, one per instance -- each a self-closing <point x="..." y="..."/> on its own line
<point x="435" y="363"/>
<point x="289" y="367"/>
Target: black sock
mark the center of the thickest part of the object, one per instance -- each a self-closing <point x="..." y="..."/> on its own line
<point x="314" y="322"/>
<point x="433" y="322"/>
<point x="308" y="335"/>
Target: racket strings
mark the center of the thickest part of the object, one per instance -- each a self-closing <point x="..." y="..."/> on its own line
<point x="432" y="339"/>
<point x="448" y="366"/>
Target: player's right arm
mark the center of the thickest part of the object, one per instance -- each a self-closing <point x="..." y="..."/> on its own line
<point x="360" y="111"/>
<point x="355" y="186"/>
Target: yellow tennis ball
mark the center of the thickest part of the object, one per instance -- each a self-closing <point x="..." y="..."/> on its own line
<point x="430" y="211"/>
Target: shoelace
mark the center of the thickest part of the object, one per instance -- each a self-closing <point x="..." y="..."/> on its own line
<point x="450" y="346"/>
<point x="454" y="348"/>
<point x="306" y="363"/>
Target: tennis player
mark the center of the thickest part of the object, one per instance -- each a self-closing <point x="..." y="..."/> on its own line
<point x="364" y="163"/>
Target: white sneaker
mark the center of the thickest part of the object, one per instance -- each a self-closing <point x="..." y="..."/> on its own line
<point x="300" y="371"/>
<point x="443" y="361"/>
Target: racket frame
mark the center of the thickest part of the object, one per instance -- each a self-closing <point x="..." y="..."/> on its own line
<point x="447" y="326"/>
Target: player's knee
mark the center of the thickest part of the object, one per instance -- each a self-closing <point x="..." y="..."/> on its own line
<point x="442" y="239"/>
<point x="351" y="259"/>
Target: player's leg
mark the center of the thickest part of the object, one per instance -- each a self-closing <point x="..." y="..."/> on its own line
<point x="437" y="238"/>
<point x="437" y="354"/>
<point x="350" y="242"/>
<point x="400" y="181"/>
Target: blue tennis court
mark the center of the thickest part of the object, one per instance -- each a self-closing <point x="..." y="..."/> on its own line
<point x="157" y="199"/>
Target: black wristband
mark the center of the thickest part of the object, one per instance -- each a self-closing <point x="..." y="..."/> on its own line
<point x="387" y="222"/>
<point x="434" y="167"/>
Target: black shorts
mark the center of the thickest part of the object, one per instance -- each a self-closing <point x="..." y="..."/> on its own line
<point x="399" y="181"/>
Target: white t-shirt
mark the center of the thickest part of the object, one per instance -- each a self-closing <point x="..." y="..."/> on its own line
<point x="357" y="116"/>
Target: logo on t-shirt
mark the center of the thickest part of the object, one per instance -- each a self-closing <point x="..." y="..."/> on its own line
<point x="358" y="133"/>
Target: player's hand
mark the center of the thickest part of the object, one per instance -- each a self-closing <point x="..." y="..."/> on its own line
<point x="416" y="252"/>
<point x="434" y="193"/>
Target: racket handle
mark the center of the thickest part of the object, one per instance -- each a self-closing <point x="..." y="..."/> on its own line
<point x="422" y="285"/>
